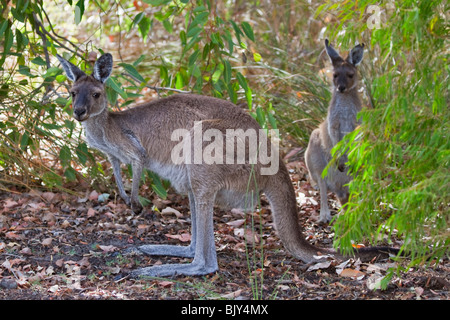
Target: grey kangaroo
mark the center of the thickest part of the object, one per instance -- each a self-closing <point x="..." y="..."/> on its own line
<point x="143" y="137"/>
<point x="341" y="119"/>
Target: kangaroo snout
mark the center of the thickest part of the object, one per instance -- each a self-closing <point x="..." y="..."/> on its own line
<point x="341" y="88"/>
<point x="80" y="114"/>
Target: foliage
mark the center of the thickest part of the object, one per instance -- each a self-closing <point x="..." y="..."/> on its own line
<point x="257" y="54"/>
<point x="40" y="143"/>
<point x="400" y="155"/>
<point x="31" y="125"/>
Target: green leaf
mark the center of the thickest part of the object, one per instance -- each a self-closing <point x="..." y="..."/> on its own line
<point x="39" y="61"/>
<point x="216" y="39"/>
<point x="137" y="19"/>
<point x="61" y="78"/>
<point x="237" y="31"/>
<point x="111" y="95"/>
<point x="144" y="201"/>
<point x="9" y="37"/>
<point x="144" y="27"/>
<point x="193" y="57"/>
<point x="217" y="73"/>
<point x="260" y="117"/>
<point x="53" y="71"/>
<point x="3" y="27"/>
<point x="113" y="84"/>
<point x="231" y="93"/>
<point x="192" y="32"/>
<point x="168" y="26"/>
<point x="227" y="37"/>
<point x="70" y="174"/>
<point x="200" y="19"/>
<point x="157" y="185"/>
<point x="157" y="2"/>
<point x="52" y="179"/>
<point x="272" y="121"/>
<point x="248" y="30"/>
<point x="21" y="40"/>
<point x="132" y="71"/>
<point x="183" y="37"/>
<point x="24" y="70"/>
<point x="51" y="126"/>
<point x="164" y="73"/>
<point x="82" y="152"/>
<point x="79" y="11"/>
<point x="179" y="81"/>
<point x="248" y="95"/>
<point x="24" y="140"/>
<point x="227" y="72"/>
<point x="65" y="156"/>
<point x="242" y="81"/>
<point x="200" y="8"/>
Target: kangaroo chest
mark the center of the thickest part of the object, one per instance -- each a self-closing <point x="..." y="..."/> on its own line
<point x="128" y="148"/>
<point x="97" y="139"/>
<point x="343" y="115"/>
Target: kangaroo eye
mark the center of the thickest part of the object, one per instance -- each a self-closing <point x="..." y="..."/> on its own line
<point x="335" y="75"/>
<point x="96" y="95"/>
<point x="73" y="94"/>
<point x="350" y="76"/>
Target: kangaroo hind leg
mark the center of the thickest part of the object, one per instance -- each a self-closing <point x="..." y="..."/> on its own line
<point x="174" y="250"/>
<point x="205" y="257"/>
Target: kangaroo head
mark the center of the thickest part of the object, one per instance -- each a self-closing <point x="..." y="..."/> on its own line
<point x="88" y="92"/>
<point x="345" y="76"/>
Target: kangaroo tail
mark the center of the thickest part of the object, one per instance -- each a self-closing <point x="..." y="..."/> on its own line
<point x="375" y="253"/>
<point x="281" y="195"/>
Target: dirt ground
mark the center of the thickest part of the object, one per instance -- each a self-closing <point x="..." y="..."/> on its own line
<point x="59" y="246"/>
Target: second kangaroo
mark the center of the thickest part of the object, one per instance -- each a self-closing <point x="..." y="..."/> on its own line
<point x="341" y="119"/>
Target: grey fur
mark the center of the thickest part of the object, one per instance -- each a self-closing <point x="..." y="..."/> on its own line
<point x="341" y="120"/>
<point x="103" y="67"/>
<point x="356" y="55"/>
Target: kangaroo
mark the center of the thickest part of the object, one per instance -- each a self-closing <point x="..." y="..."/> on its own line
<point x="143" y="137"/>
<point x="341" y="119"/>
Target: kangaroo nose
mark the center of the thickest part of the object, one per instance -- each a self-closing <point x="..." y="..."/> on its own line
<point x="341" y="88"/>
<point x="79" y="112"/>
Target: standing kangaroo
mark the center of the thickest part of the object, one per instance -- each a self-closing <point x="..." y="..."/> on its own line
<point x="143" y="137"/>
<point x="341" y="119"/>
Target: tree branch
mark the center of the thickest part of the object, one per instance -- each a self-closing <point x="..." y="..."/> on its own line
<point x="153" y="87"/>
<point x="46" y="33"/>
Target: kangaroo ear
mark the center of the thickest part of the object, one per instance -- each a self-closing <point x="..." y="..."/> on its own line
<point x="72" y="71"/>
<point x="333" y="54"/>
<point x="103" y="67"/>
<point x="356" y="55"/>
